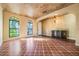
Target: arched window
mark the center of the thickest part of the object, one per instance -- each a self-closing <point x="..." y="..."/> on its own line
<point x="13" y="27"/>
<point x="29" y="28"/>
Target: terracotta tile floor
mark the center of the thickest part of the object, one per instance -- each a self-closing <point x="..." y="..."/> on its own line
<point x="41" y="46"/>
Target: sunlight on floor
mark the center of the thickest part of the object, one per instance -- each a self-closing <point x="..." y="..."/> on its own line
<point x="31" y="38"/>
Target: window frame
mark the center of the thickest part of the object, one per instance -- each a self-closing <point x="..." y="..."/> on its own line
<point x="14" y="19"/>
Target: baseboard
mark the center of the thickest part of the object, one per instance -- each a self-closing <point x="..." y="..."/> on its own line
<point x="71" y="38"/>
<point x="45" y="36"/>
<point x="76" y="44"/>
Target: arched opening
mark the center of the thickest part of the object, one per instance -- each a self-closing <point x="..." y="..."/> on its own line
<point x="13" y="27"/>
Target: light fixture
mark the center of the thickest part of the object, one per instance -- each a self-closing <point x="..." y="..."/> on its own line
<point x="54" y="19"/>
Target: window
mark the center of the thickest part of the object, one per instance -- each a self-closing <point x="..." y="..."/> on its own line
<point x="29" y="28"/>
<point x="13" y="27"/>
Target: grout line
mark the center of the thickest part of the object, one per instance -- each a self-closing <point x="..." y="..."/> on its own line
<point x="49" y="48"/>
<point x="43" y="49"/>
<point x="35" y="50"/>
<point x="67" y="50"/>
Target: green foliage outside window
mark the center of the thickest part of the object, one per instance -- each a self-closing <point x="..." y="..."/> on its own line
<point x="13" y="27"/>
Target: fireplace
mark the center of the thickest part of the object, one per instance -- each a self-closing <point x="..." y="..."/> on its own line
<point x="60" y="34"/>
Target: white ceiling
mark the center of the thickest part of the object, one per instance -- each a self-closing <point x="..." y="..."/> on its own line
<point x="33" y="10"/>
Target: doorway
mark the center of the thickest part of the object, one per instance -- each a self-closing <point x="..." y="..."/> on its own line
<point x="29" y="28"/>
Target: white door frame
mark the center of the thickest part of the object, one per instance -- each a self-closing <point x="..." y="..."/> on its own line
<point x="39" y="28"/>
<point x="1" y="26"/>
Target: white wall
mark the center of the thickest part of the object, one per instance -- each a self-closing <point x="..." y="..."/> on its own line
<point x="39" y="28"/>
<point x="72" y="9"/>
<point x="1" y="26"/>
<point x="70" y="23"/>
<point x="77" y="31"/>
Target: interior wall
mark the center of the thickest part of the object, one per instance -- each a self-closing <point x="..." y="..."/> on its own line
<point x="39" y="28"/>
<point x="65" y="22"/>
<point x="72" y="9"/>
<point x="49" y="25"/>
<point x="70" y="22"/>
<point x="77" y="31"/>
<point x="23" y="25"/>
<point x="1" y="25"/>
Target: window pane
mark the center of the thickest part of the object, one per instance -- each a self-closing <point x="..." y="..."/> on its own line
<point x="14" y="24"/>
<point x="10" y="24"/>
<point x="17" y="24"/>
<point x="12" y="30"/>
<point x="11" y="34"/>
<point x="17" y="31"/>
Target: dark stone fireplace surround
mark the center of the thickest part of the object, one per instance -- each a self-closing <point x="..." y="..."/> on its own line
<point x="62" y="34"/>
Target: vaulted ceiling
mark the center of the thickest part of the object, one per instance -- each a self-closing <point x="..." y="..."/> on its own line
<point x="33" y="10"/>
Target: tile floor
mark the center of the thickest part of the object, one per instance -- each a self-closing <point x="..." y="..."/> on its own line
<point x="38" y="46"/>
